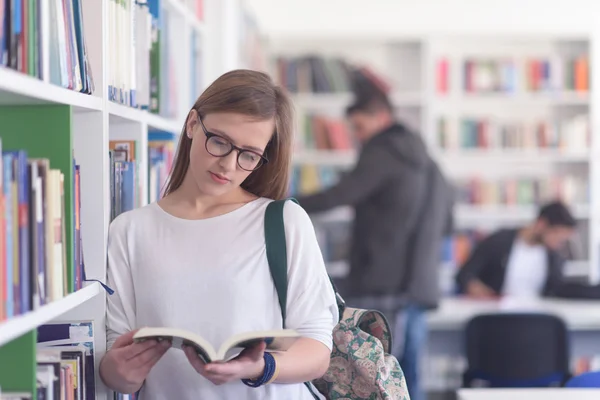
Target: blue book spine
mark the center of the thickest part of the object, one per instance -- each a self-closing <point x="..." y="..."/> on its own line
<point x="128" y="186"/>
<point x="23" y="186"/>
<point x="37" y="214"/>
<point x="7" y="160"/>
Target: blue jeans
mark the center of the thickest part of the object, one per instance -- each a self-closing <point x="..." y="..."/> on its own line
<point x="410" y="338"/>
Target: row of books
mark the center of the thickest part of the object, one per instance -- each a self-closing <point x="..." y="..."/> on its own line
<point x="324" y="133"/>
<point x="65" y="361"/>
<point x="507" y="75"/>
<point x="161" y="154"/>
<point x="141" y="70"/>
<point x="523" y="192"/>
<point x="571" y="133"/>
<point x="317" y="74"/>
<point x="34" y="266"/>
<point x="125" y="193"/>
<point x="45" y="39"/>
<point x="133" y="42"/>
<point x="309" y="178"/>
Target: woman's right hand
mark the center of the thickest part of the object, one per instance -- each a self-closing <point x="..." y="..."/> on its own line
<point x="127" y="364"/>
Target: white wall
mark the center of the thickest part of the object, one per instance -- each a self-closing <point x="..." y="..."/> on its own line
<point x="389" y="18"/>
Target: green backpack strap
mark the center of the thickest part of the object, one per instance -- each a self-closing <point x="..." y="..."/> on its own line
<point x="277" y="251"/>
<point x="277" y="258"/>
<point x="277" y="255"/>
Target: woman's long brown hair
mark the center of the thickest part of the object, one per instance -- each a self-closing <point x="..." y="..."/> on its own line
<point x="254" y="94"/>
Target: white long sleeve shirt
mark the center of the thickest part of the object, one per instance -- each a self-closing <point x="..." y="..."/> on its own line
<point x="211" y="277"/>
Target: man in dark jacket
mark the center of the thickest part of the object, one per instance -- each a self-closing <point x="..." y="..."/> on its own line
<point x="402" y="207"/>
<point x="524" y="262"/>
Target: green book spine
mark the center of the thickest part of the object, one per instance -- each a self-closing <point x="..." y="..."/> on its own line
<point x="31" y="35"/>
<point x="17" y="369"/>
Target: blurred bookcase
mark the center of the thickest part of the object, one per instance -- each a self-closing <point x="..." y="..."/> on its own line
<point x="83" y="81"/>
<point x="506" y="117"/>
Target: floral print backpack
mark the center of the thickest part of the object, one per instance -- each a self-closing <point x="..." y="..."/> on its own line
<point x="361" y="366"/>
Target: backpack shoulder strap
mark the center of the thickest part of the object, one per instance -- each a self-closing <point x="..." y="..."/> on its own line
<point x="277" y="258"/>
<point x="277" y="251"/>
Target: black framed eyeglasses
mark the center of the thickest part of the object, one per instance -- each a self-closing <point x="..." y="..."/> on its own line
<point x="218" y="146"/>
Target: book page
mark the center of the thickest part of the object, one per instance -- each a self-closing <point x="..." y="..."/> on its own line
<point x="178" y="339"/>
<point x="280" y="340"/>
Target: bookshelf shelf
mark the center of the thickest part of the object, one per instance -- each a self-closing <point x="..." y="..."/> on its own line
<point x="161" y="123"/>
<point x="20" y="89"/>
<point x="339" y="214"/>
<point x="511" y="156"/>
<point x="519" y="99"/>
<point x="337" y="101"/>
<point x="119" y="113"/>
<point x="19" y="325"/>
<point x="123" y="114"/>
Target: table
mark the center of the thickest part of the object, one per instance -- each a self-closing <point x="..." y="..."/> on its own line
<point x="528" y="394"/>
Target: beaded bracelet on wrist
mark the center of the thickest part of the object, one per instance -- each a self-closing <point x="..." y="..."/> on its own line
<point x="268" y="373"/>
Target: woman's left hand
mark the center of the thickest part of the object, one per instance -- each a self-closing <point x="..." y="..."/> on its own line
<point x="249" y="364"/>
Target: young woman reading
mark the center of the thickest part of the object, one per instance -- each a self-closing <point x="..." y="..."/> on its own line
<point x="196" y="259"/>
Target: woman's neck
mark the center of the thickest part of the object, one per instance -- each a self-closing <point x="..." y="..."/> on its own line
<point x="189" y="203"/>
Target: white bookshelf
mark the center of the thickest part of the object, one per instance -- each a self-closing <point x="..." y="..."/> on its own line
<point x="96" y="121"/>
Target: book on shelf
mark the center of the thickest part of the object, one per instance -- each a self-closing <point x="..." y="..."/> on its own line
<point x="310" y="178"/>
<point x="319" y="74"/>
<point x="33" y="261"/>
<point x="161" y="154"/>
<point x="125" y="190"/>
<point x="528" y="75"/>
<point x="486" y="133"/>
<point x="442" y="82"/>
<point x="199" y="9"/>
<point x="276" y="340"/>
<point x="46" y="40"/>
<point x="522" y="192"/>
<point x="141" y="71"/>
<point x="325" y="133"/>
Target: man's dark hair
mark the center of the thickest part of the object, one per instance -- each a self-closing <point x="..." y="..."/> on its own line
<point x="557" y="214"/>
<point x="368" y="97"/>
<point x="370" y="104"/>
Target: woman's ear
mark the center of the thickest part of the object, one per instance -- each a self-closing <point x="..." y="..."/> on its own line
<point x="192" y="123"/>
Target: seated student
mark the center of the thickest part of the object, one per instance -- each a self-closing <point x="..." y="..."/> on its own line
<point x="525" y="261"/>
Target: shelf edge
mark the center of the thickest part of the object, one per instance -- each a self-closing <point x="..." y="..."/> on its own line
<point x="19" y="325"/>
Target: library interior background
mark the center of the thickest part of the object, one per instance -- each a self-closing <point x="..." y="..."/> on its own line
<point x="501" y="93"/>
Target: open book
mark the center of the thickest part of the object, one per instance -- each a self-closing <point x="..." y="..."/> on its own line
<point x="277" y="340"/>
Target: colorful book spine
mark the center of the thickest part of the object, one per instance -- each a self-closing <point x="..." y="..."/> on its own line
<point x="10" y="305"/>
<point x="24" y="265"/>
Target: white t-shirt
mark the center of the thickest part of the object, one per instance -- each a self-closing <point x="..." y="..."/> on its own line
<point x="527" y="270"/>
<point x="211" y="277"/>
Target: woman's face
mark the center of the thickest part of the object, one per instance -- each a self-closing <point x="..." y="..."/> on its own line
<point x="215" y="175"/>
